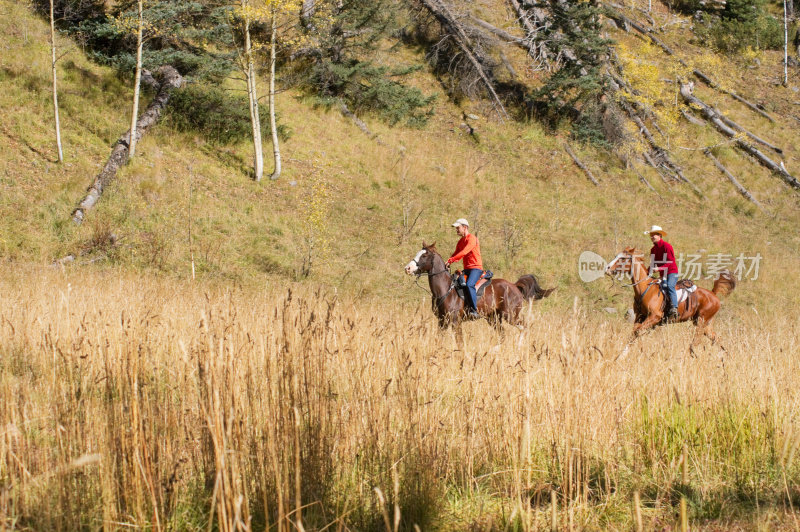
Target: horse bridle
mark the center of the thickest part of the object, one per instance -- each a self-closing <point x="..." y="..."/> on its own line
<point x="431" y="274"/>
<point x="637" y="282"/>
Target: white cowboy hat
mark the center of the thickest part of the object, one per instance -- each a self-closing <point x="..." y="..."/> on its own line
<point x="656" y="229"/>
<point x="460" y="221"/>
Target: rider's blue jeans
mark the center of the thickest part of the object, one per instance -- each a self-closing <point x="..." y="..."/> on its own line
<point x="672" y="278"/>
<point x="472" y="278"/>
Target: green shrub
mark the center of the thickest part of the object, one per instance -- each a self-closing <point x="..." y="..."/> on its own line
<point x="215" y="114"/>
<point x="742" y="24"/>
<point x="687" y="6"/>
<point x="367" y="87"/>
<point x="732" y="35"/>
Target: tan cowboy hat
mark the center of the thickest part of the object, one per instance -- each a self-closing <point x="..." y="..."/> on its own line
<point x="656" y="229"/>
<point x="460" y="221"/>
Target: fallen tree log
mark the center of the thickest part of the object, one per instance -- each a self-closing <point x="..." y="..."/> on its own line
<point x="660" y="152"/>
<point x="644" y="179"/>
<point x="649" y="160"/>
<point x="696" y="121"/>
<point x="735" y="182"/>
<point x="170" y="80"/>
<point x="618" y="17"/>
<point x="713" y="116"/>
<point x="756" y="138"/>
<point x="692" y="119"/>
<point x="714" y="85"/>
<point x="453" y="28"/>
<point x="580" y="165"/>
<point x="502" y="34"/>
<point x="356" y="120"/>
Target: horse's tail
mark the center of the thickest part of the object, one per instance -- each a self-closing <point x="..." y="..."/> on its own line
<point x="724" y="285"/>
<point x="529" y="286"/>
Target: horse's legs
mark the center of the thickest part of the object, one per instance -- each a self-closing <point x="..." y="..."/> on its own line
<point x="497" y="321"/>
<point x="699" y="331"/>
<point x="459" y="330"/>
<point x="709" y="331"/>
<point x="641" y="328"/>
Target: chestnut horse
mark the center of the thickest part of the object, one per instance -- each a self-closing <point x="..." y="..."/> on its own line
<point x="501" y="300"/>
<point x="648" y="298"/>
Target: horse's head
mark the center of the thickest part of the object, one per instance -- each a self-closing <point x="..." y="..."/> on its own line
<point x="423" y="261"/>
<point x="623" y="263"/>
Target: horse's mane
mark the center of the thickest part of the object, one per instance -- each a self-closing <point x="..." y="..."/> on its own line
<point x="431" y="248"/>
<point x="635" y="253"/>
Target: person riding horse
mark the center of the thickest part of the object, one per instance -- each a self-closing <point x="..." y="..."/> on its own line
<point x="468" y="249"/>
<point x="662" y="259"/>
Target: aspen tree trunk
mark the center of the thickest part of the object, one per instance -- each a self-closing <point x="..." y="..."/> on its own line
<point x="785" y="45"/>
<point x="276" y="149"/>
<point x="306" y="13"/>
<point x="252" y="94"/>
<point x="55" y="87"/>
<point x="137" y="81"/>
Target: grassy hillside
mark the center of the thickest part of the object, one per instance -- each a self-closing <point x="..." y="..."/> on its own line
<point x="532" y="208"/>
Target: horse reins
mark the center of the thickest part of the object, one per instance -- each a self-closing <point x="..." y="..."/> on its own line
<point x="431" y="274"/>
<point x="646" y="278"/>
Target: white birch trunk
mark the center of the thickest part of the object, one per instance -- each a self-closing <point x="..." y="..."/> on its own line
<point x="252" y="94"/>
<point x="276" y="149"/>
<point x="785" y="45"/>
<point x="55" y="84"/>
<point x="136" y="82"/>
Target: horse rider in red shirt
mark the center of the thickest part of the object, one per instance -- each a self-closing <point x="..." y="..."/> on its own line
<point x="468" y="249"/>
<point x="662" y="259"/>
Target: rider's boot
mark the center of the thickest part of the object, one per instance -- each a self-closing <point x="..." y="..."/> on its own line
<point x="472" y="314"/>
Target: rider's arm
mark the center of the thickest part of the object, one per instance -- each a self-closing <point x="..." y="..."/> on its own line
<point x="469" y="245"/>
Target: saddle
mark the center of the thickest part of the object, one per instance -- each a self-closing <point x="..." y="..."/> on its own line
<point x="685" y="288"/>
<point x="460" y="283"/>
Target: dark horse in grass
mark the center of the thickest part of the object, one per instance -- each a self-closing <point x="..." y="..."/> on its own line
<point x="501" y="300"/>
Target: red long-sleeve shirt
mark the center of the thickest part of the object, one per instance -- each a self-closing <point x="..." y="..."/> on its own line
<point x="662" y="258"/>
<point x="469" y="249"/>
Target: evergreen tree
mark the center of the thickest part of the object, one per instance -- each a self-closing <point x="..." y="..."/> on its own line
<point x="577" y="87"/>
<point x="192" y="36"/>
<point x="338" y="65"/>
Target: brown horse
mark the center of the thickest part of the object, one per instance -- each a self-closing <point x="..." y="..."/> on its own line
<point x="648" y="298"/>
<point x="501" y="300"/>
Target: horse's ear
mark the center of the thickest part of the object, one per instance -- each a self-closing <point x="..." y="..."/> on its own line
<point x="630" y="249"/>
<point x="424" y="245"/>
<point x="433" y="246"/>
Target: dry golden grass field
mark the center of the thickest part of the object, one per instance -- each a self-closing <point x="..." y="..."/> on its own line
<point x="130" y="401"/>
